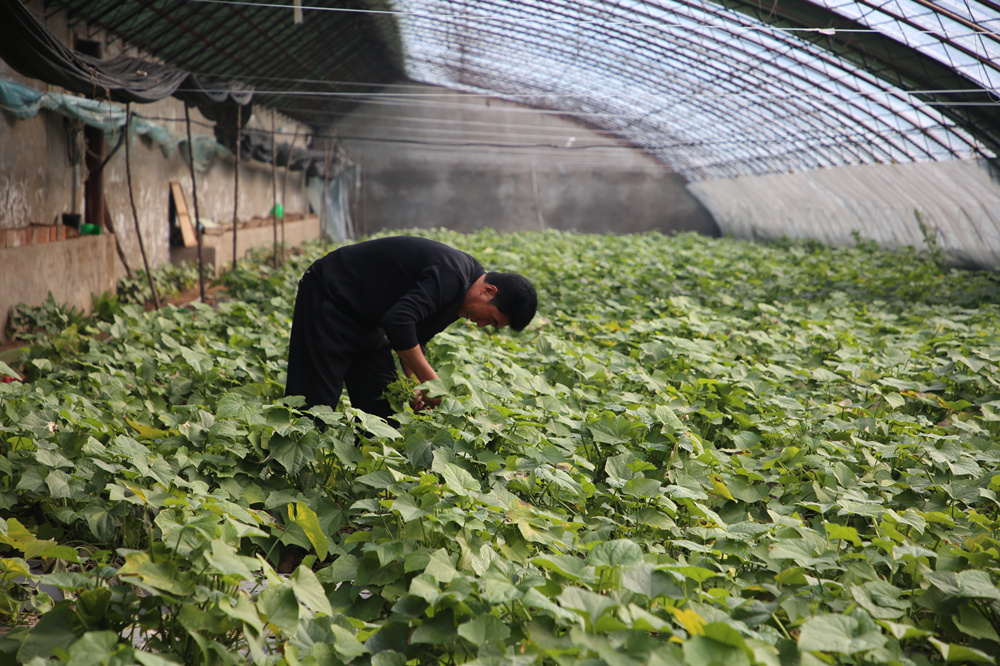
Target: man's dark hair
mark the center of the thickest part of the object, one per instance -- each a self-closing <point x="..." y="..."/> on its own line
<point x="516" y="298"/>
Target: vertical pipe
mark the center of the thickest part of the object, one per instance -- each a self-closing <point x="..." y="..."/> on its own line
<point x="135" y="215"/>
<point x="274" y="187"/>
<point x="284" y="191"/>
<point x="538" y="203"/>
<point x="236" y="185"/>
<point x="194" y="197"/>
<point x="324" y="219"/>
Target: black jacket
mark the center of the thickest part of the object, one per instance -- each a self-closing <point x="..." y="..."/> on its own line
<point x="410" y="287"/>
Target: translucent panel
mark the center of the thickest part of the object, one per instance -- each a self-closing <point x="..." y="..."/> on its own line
<point x="709" y="91"/>
<point x="962" y="35"/>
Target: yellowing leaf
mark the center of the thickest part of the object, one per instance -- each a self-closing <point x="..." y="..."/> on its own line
<point x="690" y="620"/>
<point x="306" y="518"/>
<point x="148" y="432"/>
<point x="20" y="538"/>
<point x="720" y="488"/>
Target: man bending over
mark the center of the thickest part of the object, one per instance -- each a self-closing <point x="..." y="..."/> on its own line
<point x="361" y="302"/>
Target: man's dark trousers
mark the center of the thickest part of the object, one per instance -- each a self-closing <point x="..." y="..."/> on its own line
<point x="328" y="350"/>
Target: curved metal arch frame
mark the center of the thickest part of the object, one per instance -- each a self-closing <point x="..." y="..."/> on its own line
<point x="245" y="40"/>
<point x="963" y="100"/>
<point x="542" y="41"/>
<point x="868" y="89"/>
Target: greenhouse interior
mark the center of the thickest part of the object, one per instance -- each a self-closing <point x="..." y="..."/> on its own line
<point x="399" y="332"/>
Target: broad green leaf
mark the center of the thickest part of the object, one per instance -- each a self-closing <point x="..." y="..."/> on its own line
<point x="389" y="551"/>
<point x="618" y="470"/>
<point x="616" y="553"/>
<point x="797" y="550"/>
<point x="642" y="620"/>
<point x="147" y="432"/>
<point x="960" y="654"/>
<point x="498" y="588"/>
<point x="847" y="533"/>
<point x="964" y="466"/>
<point x="54" y="630"/>
<point x="344" y="568"/>
<point x="881" y="599"/>
<point x="974" y="584"/>
<point x="611" y="429"/>
<point x="668" y="418"/>
<point x="233" y="405"/>
<point x="704" y="651"/>
<point x="902" y="631"/>
<point x="380" y="479"/>
<point x="407" y="507"/>
<point x="904" y="552"/>
<point x="227" y="562"/>
<point x="309" y="591"/>
<point x="484" y="629"/>
<point x="292" y="455"/>
<point x="6" y="371"/>
<point x="725" y="634"/>
<point x="894" y="400"/>
<point x="697" y="574"/>
<point x="838" y="634"/>
<point x="347" y="646"/>
<point x="457" y="479"/>
<point x="155" y="577"/>
<point x="426" y="587"/>
<point x="973" y="623"/>
<point x="150" y="659"/>
<point x="241" y="608"/>
<point x="196" y="620"/>
<point x="12" y="568"/>
<point x="642" y="487"/>
<point x="590" y="604"/>
<point x="572" y="568"/>
<point x="388" y="658"/>
<point x="439" y="630"/>
<point x="278" y="604"/>
<point x="441" y="566"/>
<point x="376" y="425"/>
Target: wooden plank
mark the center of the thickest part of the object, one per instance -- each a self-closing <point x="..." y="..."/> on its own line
<point x="183" y="218"/>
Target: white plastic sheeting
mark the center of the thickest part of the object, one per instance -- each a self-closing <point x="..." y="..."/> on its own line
<point x="956" y="204"/>
<point x="713" y="91"/>
<point x="336" y="222"/>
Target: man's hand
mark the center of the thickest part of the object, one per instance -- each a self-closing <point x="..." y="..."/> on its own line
<point x="422" y="401"/>
<point x="415" y="364"/>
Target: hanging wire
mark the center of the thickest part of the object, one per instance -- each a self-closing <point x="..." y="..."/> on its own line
<point x="715" y="87"/>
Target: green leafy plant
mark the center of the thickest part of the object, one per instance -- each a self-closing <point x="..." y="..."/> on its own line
<point x="28" y="322"/>
<point x="702" y="451"/>
<point x="169" y="278"/>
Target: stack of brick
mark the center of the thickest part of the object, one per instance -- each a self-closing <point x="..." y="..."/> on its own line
<point x="35" y="235"/>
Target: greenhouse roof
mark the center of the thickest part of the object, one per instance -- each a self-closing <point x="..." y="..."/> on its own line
<point x="711" y="88"/>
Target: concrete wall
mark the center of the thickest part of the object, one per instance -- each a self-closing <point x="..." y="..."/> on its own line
<point x="433" y="157"/>
<point x="152" y="173"/>
<point x="38" y="184"/>
<point x="958" y="203"/>
<point x="76" y="267"/>
<point x="217" y="244"/>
